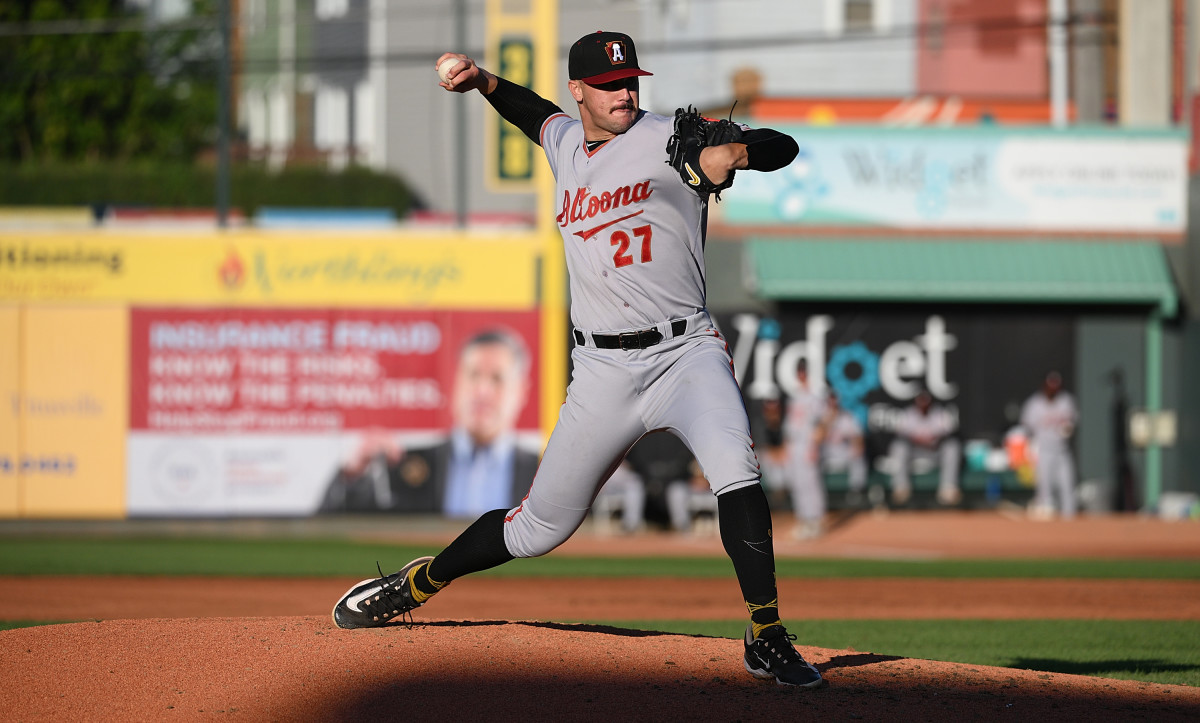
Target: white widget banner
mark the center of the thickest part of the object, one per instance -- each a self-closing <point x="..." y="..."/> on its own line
<point x="994" y="178"/>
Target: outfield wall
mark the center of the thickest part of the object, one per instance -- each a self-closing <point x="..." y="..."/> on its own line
<point x="210" y="373"/>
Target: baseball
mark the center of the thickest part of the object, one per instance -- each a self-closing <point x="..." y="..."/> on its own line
<point x="445" y="67"/>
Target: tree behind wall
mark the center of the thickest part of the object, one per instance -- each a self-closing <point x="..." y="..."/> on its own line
<point x="104" y="96"/>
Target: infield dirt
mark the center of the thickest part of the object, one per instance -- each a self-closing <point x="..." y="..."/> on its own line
<point x="496" y="649"/>
<point x="302" y="668"/>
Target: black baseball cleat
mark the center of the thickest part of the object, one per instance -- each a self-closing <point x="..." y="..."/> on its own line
<point x="772" y="656"/>
<point x="379" y="601"/>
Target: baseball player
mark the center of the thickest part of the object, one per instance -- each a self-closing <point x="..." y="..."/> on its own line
<point x="925" y="431"/>
<point x="1050" y="416"/>
<point x="633" y="189"/>
<point x="840" y="439"/>
<point x="805" y="409"/>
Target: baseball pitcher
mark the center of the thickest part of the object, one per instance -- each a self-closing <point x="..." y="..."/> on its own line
<point x="632" y="191"/>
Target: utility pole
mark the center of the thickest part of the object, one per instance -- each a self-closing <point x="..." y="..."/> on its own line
<point x="1057" y="38"/>
<point x="462" y="184"/>
<point x="223" y="101"/>
<point x="1087" y="62"/>
<point x="1145" y="63"/>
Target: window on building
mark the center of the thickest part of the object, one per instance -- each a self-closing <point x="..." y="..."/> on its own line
<point x="858" y="16"/>
<point x="330" y="9"/>
<point x="254" y="16"/>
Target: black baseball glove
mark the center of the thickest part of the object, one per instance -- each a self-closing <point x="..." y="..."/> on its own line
<point x="692" y="134"/>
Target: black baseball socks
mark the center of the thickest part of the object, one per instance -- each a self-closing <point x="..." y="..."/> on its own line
<point x="745" y="533"/>
<point x="745" y="520"/>
<point x="479" y="547"/>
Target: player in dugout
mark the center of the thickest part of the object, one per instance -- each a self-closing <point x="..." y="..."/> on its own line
<point x="633" y="188"/>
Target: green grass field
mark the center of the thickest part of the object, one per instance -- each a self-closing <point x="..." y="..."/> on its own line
<point x="1155" y="651"/>
<point x="322" y="558"/>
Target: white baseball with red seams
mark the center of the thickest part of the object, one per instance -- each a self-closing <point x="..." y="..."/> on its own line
<point x="633" y="236"/>
<point x="444" y="68"/>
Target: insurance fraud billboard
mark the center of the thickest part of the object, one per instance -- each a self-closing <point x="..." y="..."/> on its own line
<point x="255" y="411"/>
<point x="236" y="373"/>
<point x="992" y="178"/>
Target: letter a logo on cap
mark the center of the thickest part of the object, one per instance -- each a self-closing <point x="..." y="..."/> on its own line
<point x="603" y="57"/>
<point x="616" y="52"/>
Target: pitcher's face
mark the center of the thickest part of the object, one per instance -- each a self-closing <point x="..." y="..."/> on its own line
<point x="608" y="109"/>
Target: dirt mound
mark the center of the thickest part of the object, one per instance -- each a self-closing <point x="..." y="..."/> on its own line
<point x="303" y="668"/>
<point x="609" y="598"/>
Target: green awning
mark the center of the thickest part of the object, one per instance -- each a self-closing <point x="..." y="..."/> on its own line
<point x="962" y="270"/>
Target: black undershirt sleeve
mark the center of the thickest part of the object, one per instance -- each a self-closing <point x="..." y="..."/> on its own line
<point x="768" y="150"/>
<point x="522" y="107"/>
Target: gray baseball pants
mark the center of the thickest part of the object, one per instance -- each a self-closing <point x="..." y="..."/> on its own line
<point x="683" y="384"/>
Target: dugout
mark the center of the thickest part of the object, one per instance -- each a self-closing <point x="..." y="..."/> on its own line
<point x="1112" y="302"/>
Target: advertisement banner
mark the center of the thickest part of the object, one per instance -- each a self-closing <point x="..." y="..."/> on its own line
<point x="70" y="461"/>
<point x="203" y="475"/>
<point x="10" y="420"/>
<point x="981" y="365"/>
<point x="998" y="179"/>
<point x="248" y="268"/>
<point x="271" y="411"/>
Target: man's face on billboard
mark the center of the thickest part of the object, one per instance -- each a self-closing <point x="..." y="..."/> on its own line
<point x="489" y="391"/>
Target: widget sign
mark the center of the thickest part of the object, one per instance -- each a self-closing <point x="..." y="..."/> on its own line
<point x="980" y="365"/>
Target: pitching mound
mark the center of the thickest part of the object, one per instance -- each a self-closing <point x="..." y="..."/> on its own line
<point x="294" y="668"/>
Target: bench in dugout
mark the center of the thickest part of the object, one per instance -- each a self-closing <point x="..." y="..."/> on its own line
<point x="980" y="488"/>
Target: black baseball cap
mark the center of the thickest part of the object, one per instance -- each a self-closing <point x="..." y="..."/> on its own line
<point x="602" y="57"/>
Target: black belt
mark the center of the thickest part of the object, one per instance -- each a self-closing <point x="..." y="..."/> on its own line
<point x="632" y="339"/>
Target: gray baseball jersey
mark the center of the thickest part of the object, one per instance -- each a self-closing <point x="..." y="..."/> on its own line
<point x="1052" y="422"/>
<point x="633" y="235"/>
<point x="926" y="437"/>
<point x="807" y="486"/>
<point x="934" y="426"/>
<point x="842" y="434"/>
<point x="804" y="409"/>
